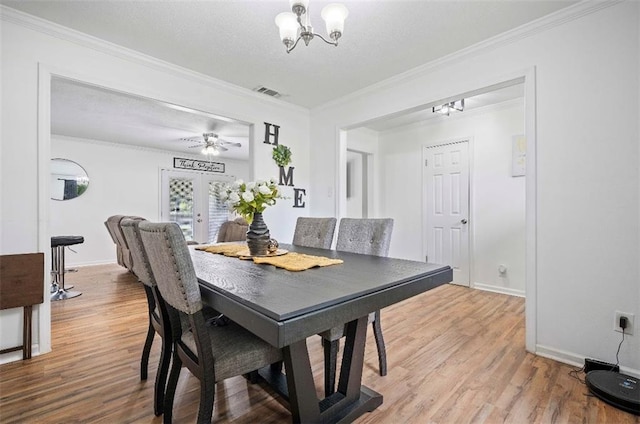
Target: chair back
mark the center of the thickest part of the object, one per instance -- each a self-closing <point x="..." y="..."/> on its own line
<point x="171" y="265"/>
<point x="122" y="248"/>
<point x="141" y="267"/>
<point x="113" y="227"/>
<point x="314" y="232"/>
<point x="235" y="230"/>
<point x="365" y="236"/>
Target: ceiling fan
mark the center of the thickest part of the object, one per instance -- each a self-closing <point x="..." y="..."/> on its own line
<point x="211" y="144"/>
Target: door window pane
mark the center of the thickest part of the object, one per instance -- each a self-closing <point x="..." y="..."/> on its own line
<point x="218" y="211"/>
<point x="181" y="205"/>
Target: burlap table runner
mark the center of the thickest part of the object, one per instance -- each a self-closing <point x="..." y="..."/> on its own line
<point x="291" y="261"/>
<point x="224" y="249"/>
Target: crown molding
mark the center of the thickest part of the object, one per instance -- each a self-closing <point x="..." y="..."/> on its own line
<point x="52" y="29"/>
<point x="529" y="29"/>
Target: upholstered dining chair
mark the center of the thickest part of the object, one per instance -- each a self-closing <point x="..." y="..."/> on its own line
<point x="211" y="353"/>
<point x="113" y="227"/>
<point x="123" y="253"/>
<point x="235" y="230"/>
<point x="364" y="236"/>
<point x="158" y="315"/>
<point x="314" y="232"/>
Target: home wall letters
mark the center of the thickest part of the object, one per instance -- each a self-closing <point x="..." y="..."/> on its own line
<point x="271" y="136"/>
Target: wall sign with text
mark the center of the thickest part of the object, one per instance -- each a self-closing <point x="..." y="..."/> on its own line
<point x="198" y="165"/>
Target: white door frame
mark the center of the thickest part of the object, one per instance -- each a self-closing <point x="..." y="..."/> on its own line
<point x="45" y="73"/>
<point x="526" y="76"/>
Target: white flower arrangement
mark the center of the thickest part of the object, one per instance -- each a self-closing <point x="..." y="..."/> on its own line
<point x="251" y="197"/>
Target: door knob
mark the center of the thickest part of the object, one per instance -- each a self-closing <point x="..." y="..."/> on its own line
<point x="199" y="220"/>
<point x="463" y="221"/>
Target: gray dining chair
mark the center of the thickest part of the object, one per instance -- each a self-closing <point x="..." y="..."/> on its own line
<point x="235" y="230"/>
<point x="314" y="232"/>
<point x="211" y="353"/>
<point x="369" y="237"/>
<point x="158" y="315"/>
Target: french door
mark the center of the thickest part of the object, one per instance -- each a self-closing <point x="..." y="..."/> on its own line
<point x="447" y="207"/>
<point x="188" y="198"/>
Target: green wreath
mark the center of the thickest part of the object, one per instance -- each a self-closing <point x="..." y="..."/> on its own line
<point x="281" y="155"/>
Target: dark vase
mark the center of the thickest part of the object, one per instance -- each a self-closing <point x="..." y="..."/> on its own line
<point x="258" y="236"/>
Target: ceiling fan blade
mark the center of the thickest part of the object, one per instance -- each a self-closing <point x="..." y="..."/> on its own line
<point x="195" y="145"/>
<point x="191" y="140"/>
<point x="222" y="149"/>
<point x="229" y="143"/>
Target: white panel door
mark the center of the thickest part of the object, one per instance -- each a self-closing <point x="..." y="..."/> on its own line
<point x="188" y="198"/>
<point x="447" y="207"/>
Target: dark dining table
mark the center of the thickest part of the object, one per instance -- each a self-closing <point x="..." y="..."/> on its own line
<point x="284" y="308"/>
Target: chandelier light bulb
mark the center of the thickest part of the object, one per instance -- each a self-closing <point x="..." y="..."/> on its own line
<point x="334" y="15"/>
<point x="288" y="25"/>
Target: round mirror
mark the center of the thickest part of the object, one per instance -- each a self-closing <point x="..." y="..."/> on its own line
<point x="68" y="179"/>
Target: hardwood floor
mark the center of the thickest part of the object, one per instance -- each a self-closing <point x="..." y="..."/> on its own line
<point x="455" y="355"/>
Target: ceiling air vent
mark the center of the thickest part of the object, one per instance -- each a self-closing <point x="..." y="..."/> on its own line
<point x="267" y="91"/>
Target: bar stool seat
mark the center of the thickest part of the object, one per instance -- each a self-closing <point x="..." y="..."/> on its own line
<point x="58" y="243"/>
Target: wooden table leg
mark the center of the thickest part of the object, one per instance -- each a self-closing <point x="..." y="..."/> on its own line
<point x="302" y="394"/>
<point x="26" y="331"/>
<point x="350" y="400"/>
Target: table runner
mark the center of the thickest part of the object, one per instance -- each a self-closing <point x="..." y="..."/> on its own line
<point x="291" y="261"/>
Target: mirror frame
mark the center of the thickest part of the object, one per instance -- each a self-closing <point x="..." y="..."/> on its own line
<point x="80" y="177"/>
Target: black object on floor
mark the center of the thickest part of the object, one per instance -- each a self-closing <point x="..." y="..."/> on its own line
<point x="619" y="390"/>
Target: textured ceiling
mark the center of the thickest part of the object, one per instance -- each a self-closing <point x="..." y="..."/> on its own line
<point x="237" y="41"/>
<point x="88" y="112"/>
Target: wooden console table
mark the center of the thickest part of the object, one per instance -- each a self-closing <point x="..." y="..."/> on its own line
<point x="22" y="285"/>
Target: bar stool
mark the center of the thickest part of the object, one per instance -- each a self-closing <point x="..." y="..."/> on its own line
<point x="58" y="243"/>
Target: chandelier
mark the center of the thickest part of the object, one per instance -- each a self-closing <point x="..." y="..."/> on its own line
<point x="295" y="26"/>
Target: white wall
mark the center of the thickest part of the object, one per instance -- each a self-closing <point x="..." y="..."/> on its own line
<point x="497" y="218"/>
<point x="354" y="184"/>
<point x="584" y="263"/>
<point x="32" y="51"/>
<point x="365" y="142"/>
<point x="124" y="180"/>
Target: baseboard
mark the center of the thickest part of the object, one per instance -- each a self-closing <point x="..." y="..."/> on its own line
<point x="92" y="263"/>
<point x="498" y="289"/>
<point x="574" y="359"/>
<point x="17" y="355"/>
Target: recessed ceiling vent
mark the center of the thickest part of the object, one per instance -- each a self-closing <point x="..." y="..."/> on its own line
<point x="267" y="91"/>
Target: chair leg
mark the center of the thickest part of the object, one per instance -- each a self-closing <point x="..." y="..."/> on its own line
<point x="252" y="376"/>
<point x="144" y="361"/>
<point x="161" y="376"/>
<point x="276" y="366"/>
<point x="331" y="348"/>
<point x="172" y="383"/>
<point x="382" y="351"/>
<point x="207" y="398"/>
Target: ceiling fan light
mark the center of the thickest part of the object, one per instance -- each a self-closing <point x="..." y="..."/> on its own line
<point x="334" y="15"/>
<point x="288" y="25"/>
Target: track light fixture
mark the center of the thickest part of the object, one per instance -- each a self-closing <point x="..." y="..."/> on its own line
<point x="447" y="108"/>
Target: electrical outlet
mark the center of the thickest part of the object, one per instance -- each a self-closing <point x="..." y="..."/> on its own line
<point x="630" y="324"/>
